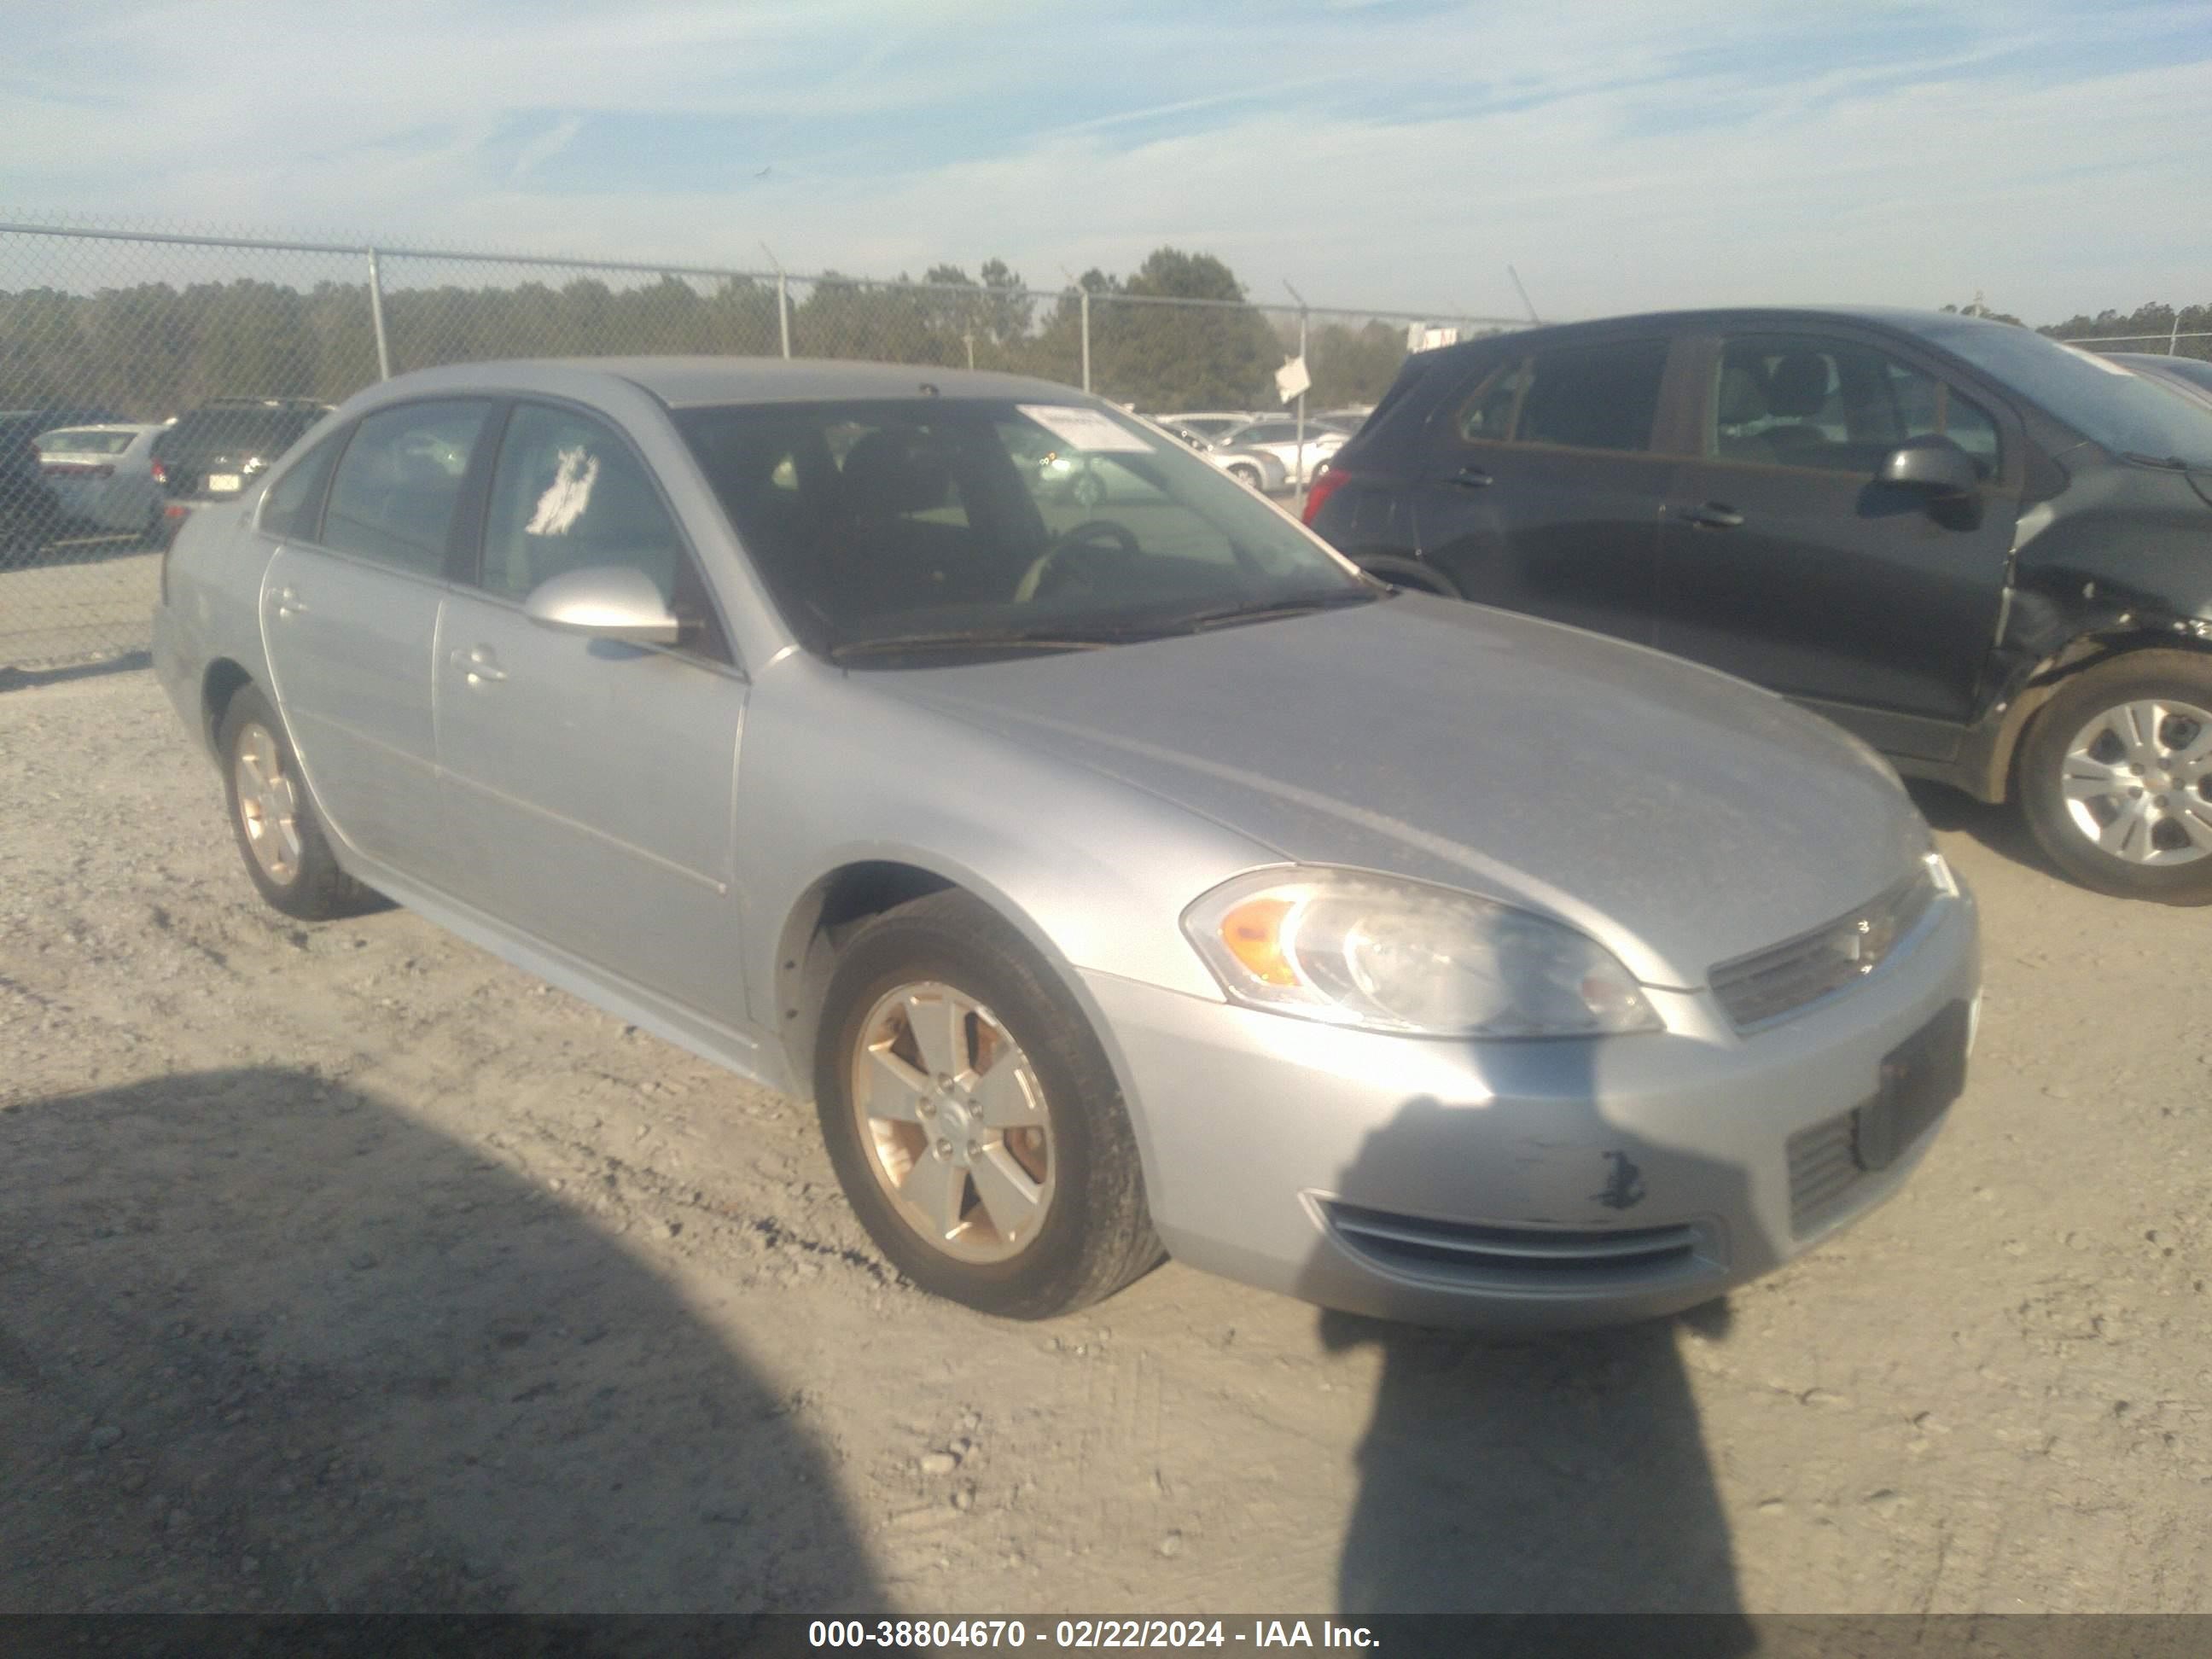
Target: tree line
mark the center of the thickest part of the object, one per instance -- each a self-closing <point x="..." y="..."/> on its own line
<point x="153" y="349"/>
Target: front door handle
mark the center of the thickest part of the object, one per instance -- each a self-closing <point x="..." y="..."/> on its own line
<point x="288" y="602"/>
<point x="1711" y="515"/>
<point x="479" y="663"/>
<point x="1472" y="477"/>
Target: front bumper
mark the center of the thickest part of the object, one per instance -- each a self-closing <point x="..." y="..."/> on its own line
<point x="1548" y="1184"/>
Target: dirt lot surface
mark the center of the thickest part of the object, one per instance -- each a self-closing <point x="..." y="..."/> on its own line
<point x="344" y="1267"/>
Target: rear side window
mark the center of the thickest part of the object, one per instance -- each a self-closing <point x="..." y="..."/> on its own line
<point x="393" y="500"/>
<point x="86" y="443"/>
<point x="1586" y="396"/>
<point x="294" y="502"/>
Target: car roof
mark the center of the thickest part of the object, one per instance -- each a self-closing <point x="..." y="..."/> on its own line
<point x="703" y="382"/>
<point x="1905" y="318"/>
<point x="106" y="426"/>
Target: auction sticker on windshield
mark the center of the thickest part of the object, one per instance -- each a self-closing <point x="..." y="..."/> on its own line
<point x="1085" y="429"/>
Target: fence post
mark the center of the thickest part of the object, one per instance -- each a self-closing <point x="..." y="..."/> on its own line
<point x="2173" y="340"/>
<point x="376" y="317"/>
<point x="1298" y="483"/>
<point x="783" y="311"/>
<point x="1083" y="300"/>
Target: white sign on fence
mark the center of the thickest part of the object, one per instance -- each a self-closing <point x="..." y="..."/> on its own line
<point x="1292" y="379"/>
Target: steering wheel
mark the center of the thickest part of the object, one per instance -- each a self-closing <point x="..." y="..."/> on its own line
<point x="1075" y="558"/>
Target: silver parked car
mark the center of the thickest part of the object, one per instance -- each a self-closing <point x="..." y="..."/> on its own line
<point x="103" y="476"/>
<point x="1113" y="882"/>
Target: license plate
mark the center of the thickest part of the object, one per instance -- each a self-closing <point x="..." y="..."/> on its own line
<point x="1920" y="1077"/>
<point x="224" y="483"/>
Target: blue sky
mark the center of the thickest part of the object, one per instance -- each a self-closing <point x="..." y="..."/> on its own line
<point x="1396" y="154"/>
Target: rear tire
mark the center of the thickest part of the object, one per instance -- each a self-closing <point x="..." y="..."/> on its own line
<point x="273" y="819"/>
<point x="898" y="1145"/>
<point x="2111" y="783"/>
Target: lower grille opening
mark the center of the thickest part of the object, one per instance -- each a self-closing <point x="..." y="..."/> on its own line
<point x="1824" y="1167"/>
<point x="1532" y="1257"/>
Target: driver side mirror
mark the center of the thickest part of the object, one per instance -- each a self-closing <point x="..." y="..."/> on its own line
<point x="605" y="602"/>
<point x="1937" y="467"/>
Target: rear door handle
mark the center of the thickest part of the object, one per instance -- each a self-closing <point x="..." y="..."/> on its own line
<point x="479" y="663"/>
<point x="1712" y="515"/>
<point x="288" y="602"/>
<point x="1472" y="477"/>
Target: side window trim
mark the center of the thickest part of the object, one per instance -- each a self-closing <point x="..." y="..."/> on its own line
<point x="718" y="650"/>
<point x="464" y="538"/>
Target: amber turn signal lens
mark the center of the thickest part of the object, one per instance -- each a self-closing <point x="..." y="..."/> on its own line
<point x="1254" y="934"/>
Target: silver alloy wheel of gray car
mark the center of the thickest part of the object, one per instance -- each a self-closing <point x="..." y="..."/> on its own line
<point x="2137" y="780"/>
<point x="954" y="1122"/>
<point x="268" y="804"/>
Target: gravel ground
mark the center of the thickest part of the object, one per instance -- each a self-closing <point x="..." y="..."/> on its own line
<point x="344" y="1267"/>
<point x="88" y="598"/>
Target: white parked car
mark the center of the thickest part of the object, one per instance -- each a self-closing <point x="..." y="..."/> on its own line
<point x="1208" y="424"/>
<point x="1278" y="435"/>
<point x="103" y="476"/>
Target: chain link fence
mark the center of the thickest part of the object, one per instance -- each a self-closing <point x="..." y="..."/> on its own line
<point x="145" y="373"/>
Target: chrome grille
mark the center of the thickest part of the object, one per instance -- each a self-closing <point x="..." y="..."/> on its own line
<point x="1474" y="1254"/>
<point x="1771" y="985"/>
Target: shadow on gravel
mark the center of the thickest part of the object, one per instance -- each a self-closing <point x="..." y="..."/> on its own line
<point x="2000" y="828"/>
<point x="1546" y="1474"/>
<point x="267" y="1345"/>
<point x="19" y="679"/>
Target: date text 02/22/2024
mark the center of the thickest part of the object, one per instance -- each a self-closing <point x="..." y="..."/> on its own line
<point x="1071" y="1635"/>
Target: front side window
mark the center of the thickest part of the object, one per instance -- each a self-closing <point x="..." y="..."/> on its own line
<point x="393" y="498"/>
<point x="294" y="502"/>
<point x="567" y="494"/>
<point x="905" y="523"/>
<point x="2105" y="402"/>
<point x="1811" y="400"/>
<point x="1581" y="397"/>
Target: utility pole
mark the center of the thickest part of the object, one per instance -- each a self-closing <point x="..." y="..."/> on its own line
<point x="1301" y="479"/>
<point x="782" y="300"/>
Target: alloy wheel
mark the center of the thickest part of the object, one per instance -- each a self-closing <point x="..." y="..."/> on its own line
<point x="268" y="804"/>
<point x="954" y="1122"/>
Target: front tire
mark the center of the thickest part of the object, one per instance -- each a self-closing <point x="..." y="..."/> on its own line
<point x="2116" y="777"/>
<point x="973" y="1119"/>
<point x="273" y="819"/>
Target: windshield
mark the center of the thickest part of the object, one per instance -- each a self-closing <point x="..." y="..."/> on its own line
<point x="2104" y="402"/>
<point x="996" y="524"/>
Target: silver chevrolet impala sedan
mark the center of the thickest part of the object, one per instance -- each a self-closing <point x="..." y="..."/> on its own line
<point x="1122" y="880"/>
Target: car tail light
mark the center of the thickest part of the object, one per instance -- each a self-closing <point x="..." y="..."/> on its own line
<point x="1326" y="483"/>
<point x="160" y="472"/>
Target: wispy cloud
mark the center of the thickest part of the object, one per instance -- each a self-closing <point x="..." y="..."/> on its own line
<point x="545" y="147"/>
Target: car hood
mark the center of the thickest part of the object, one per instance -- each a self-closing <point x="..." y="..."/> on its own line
<point x="1679" y="815"/>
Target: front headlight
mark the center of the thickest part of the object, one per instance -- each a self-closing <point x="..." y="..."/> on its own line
<point x="1387" y="955"/>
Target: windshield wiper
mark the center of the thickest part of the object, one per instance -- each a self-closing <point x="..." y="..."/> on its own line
<point x="1196" y="622"/>
<point x="2170" y="462"/>
<point x="966" y="639"/>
